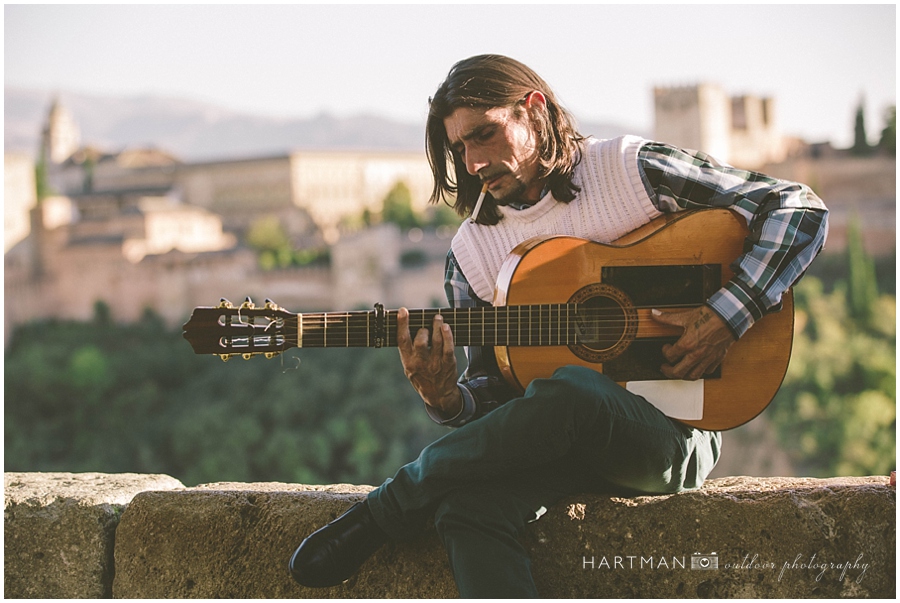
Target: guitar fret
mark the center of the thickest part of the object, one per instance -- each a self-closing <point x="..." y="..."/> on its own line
<point x="549" y="340"/>
<point x="540" y="324"/>
<point x="483" y="320"/>
<point x="575" y="324"/>
<point x="507" y="326"/>
<point x="495" y="324"/>
<point x="554" y="325"/>
<point x="562" y="325"/>
<point x="546" y="325"/>
<point x="518" y="326"/>
<point x="299" y="330"/>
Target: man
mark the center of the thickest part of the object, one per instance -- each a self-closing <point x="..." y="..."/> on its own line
<point x="495" y="123"/>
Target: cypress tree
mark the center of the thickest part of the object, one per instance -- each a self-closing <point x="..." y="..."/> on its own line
<point x="860" y="140"/>
<point x="863" y="285"/>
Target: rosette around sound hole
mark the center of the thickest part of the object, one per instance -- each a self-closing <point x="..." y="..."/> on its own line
<point x="605" y="323"/>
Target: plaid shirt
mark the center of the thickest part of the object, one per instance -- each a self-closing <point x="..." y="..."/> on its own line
<point x="788" y="226"/>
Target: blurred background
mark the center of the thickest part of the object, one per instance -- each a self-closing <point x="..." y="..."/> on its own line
<point x="158" y="158"/>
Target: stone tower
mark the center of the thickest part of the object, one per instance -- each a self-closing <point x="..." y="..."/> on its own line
<point x="61" y="137"/>
<point x="694" y="117"/>
<point x="741" y="130"/>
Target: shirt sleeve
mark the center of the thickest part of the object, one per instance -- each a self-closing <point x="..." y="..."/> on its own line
<point x="482" y="387"/>
<point x="788" y="225"/>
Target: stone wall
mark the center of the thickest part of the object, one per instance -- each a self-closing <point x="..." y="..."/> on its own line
<point x="142" y="536"/>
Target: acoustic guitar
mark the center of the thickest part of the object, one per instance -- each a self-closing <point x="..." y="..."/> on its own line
<point x="562" y="301"/>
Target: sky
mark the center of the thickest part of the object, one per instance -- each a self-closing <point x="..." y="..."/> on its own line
<point x="296" y="61"/>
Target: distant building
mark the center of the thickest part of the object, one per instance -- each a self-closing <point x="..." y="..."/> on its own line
<point x="138" y="229"/>
<point x="308" y="189"/>
<point x="19" y="196"/>
<point x="742" y="131"/>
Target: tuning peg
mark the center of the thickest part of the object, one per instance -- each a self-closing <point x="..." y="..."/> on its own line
<point x="224" y="303"/>
<point x="248" y="303"/>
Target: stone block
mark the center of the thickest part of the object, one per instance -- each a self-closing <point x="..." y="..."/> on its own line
<point x="234" y="540"/>
<point x="59" y="531"/>
<point x="768" y="537"/>
<point x="771" y="537"/>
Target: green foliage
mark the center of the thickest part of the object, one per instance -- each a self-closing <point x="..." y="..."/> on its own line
<point x="269" y="238"/>
<point x="81" y="397"/>
<point x="41" y="184"/>
<point x="442" y="215"/>
<point x="835" y="413"/>
<point x="398" y="209"/>
<point x="413" y="258"/>
<point x="267" y="234"/>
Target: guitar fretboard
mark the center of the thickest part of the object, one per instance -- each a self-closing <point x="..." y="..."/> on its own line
<point x="527" y="325"/>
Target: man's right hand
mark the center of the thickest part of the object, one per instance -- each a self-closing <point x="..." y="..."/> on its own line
<point x="430" y="365"/>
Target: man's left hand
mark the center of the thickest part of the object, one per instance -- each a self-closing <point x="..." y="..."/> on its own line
<point x="702" y="346"/>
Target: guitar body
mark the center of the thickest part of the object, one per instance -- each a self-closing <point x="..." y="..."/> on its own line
<point x="674" y="262"/>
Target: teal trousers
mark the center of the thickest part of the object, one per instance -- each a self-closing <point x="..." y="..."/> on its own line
<point x="575" y="432"/>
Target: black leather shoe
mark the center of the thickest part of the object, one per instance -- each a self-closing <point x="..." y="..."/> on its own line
<point x="333" y="553"/>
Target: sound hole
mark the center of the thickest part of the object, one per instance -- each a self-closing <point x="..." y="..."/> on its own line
<point x="606" y="322"/>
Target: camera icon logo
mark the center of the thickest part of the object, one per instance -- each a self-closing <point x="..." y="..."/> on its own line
<point x="699" y="561"/>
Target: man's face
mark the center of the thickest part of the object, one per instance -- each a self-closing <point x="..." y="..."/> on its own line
<point x="500" y="148"/>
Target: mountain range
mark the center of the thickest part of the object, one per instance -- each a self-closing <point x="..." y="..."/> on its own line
<point x="197" y="131"/>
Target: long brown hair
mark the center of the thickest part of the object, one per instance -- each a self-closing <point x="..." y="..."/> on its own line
<point x="497" y="81"/>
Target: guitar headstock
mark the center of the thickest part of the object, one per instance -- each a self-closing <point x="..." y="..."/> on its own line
<point x="228" y="330"/>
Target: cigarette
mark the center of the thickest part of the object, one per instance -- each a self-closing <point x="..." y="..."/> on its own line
<point x="479" y="202"/>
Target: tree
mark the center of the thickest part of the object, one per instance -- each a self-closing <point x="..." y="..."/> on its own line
<point x="443" y="215"/>
<point x="269" y="238"/>
<point x="267" y="234"/>
<point x="860" y="140"/>
<point x="397" y="207"/>
<point x="41" y="184"/>
<point x="888" y="142"/>
<point x="863" y="285"/>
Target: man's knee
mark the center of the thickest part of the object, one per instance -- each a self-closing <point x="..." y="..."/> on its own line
<point x="458" y="509"/>
<point x="576" y="385"/>
<point x="483" y="506"/>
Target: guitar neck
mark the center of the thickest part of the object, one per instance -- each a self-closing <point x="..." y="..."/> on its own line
<point x="527" y="325"/>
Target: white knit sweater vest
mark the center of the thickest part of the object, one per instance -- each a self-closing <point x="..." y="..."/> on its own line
<point x="611" y="203"/>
